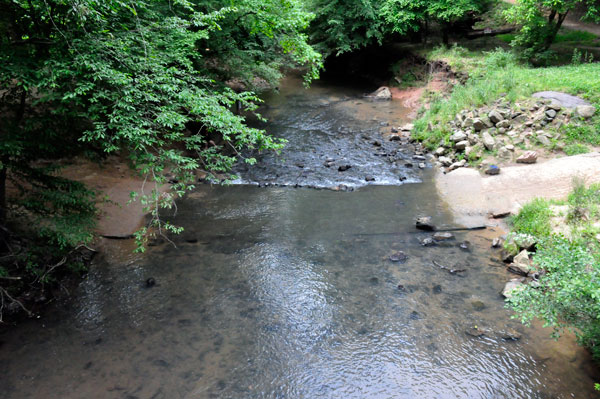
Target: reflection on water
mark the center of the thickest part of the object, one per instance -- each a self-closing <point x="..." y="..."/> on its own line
<point x="291" y="293"/>
<point x="287" y="293"/>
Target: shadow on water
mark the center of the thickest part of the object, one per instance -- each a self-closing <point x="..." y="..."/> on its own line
<point x="291" y="293"/>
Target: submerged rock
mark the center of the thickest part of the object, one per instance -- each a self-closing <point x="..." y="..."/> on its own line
<point x="443" y="236"/>
<point x="476" y="331"/>
<point x="399" y="257"/>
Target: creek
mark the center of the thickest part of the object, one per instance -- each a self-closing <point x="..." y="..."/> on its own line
<point x="287" y="292"/>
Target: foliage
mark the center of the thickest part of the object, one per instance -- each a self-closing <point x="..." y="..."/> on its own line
<point x="405" y="15"/>
<point x="541" y="20"/>
<point x="342" y="26"/>
<point x="256" y="39"/>
<point x="142" y="79"/>
<point x="533" y="219"/>
<point x="576" y="149"/>
<point x="569" y="292"/>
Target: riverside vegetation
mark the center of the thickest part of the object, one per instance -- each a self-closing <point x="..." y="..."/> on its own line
<point x="169" y="85"/>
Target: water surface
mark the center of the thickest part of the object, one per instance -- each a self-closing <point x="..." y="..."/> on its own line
<point x="285" y="292"/>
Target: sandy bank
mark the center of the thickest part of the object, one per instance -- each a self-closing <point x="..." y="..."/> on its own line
<point x="473" y="197"/>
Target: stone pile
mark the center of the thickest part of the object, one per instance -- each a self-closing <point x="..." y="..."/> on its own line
<point x="508" y="130"/>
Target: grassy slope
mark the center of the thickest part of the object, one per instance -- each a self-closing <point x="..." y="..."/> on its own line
<point x="498" y="72"/>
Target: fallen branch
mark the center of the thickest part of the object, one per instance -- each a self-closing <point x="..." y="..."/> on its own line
<point x="489" y="32"/>
<point x="449" y="270"/>
<point x="4" y="293"/>
<point x="421" y="231"/>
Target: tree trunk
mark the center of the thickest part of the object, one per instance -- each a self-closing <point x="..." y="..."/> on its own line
<point x="550" y="38"/>
<point x="3" y="195"/>
<point x="445" y="36"/>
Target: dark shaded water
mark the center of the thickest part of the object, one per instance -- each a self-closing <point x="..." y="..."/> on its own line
<point x="290" y="293"/>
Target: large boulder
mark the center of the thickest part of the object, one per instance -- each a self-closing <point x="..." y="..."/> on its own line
<point x="561" y="99"/>
<point x="586" y="111"/>
<point x="383" y="93"/>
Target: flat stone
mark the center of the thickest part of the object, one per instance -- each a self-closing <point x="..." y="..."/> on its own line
<point x="551" y="113"/>
<point x="505" y="124"/>
<point x="407" y="128"/>
<point x="399" y="257"/>
<point x="528" y="157"/>
<point x="458" y="136"/>
<point x="561" y="99"/>
<point x="510" y="334"/>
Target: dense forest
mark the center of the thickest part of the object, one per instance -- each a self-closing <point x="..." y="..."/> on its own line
<point x="169" y="86"/>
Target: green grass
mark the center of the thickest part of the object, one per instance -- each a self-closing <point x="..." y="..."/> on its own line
<point x="567" y="35"/>
<point x="576" y="149"/>
<point x="498" y="72"/>
<point x="533" y="219"/>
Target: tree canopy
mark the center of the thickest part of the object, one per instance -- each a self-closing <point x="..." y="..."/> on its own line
<point x="542" y="19"/>
<point x="146" y="80"/>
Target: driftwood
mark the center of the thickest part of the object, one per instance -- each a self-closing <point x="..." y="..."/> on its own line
<point x="489" y="32"/>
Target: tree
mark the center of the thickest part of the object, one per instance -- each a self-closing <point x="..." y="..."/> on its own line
<point x="542" y="19"/>
<point x="406" y="15"/>
<point x="343" y="26"/>
<point x="133" y="78"/>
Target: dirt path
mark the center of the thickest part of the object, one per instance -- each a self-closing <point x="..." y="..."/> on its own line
<point x="472" y="197"/>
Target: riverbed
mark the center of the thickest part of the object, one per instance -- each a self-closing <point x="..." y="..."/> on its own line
<point x="283" y="285"/>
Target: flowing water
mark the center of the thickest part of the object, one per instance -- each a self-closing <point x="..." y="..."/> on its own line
<point x="284" y="292"/>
